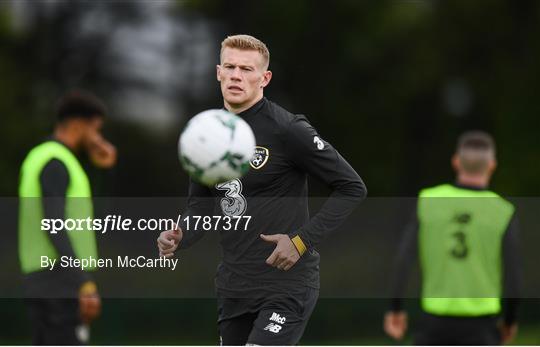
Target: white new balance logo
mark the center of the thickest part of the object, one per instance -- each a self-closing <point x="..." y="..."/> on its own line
<point x="277" y="318"/>
<point x="273" y="327"/>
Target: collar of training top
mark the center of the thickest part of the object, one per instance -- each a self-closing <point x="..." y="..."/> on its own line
<point x="253" y="109"/>
<point x="469" y="187"/>
<point x="53" y="139"/>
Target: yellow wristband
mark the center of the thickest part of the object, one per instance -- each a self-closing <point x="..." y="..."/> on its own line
<point x="299" y="244"/>
<point x="88" y="288"/>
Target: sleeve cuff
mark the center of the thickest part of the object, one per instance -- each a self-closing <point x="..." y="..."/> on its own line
<point x="88" y="288"/>
<point x="396" y="305"/>
<point x="299" y="244"/>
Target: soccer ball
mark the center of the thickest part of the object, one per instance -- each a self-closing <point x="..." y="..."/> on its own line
<point x="216" y="146"/>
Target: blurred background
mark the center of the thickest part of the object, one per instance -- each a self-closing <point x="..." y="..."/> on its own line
<point x="390" y="84"/>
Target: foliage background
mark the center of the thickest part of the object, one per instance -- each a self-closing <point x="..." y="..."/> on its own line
<point x="390" y="83"/>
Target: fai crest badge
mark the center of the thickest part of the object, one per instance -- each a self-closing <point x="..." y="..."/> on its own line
<point x="260" y="157"/>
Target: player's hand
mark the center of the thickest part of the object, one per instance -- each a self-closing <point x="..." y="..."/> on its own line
<point x="285" y="255"/>
<point x="508" y="332"/>
<point x="395" y="324"/>
<point x="101" y="152"/>
<point x="168" y="242"/>
<point x="89" y="302"/>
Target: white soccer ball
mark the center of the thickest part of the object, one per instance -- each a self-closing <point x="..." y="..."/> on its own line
<point x="216" y="146"/>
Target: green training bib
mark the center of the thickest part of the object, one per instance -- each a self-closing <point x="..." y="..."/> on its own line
<point x="33" y="242"/>
<point x="460" y="247"/>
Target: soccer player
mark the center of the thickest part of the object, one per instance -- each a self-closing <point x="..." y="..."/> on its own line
<point x="465" y="237"/>
<point x="268" y="280"/>
<point x="54" y="185"/>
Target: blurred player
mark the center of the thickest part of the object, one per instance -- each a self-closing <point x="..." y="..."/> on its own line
<point x="54" y="185"/>
<point x="466" y="239"/>
<point x="268" y="280"/>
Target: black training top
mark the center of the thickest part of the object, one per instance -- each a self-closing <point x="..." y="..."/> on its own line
<point x="275" y="194"/>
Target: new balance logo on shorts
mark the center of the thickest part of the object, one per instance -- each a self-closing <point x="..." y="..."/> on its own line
<point x="277" y="318"/>
<point x="273" y="327"/>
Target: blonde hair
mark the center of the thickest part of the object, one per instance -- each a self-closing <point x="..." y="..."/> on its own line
<point x="246" y="42"/>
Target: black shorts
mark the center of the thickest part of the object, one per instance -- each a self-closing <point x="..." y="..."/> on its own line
<point x="56" y="322"/>
<point x="278" y="319"/>
<point x="447" y="330"/>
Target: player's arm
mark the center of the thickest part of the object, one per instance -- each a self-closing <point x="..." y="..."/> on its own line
<point x="200" y="203"/>
<point x="319" y="159"/>
<point x="54" y="183"/>
<point x="512" y="280"/>
<point x="395" y="320"/>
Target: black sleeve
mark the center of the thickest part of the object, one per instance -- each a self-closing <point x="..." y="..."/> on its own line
<point x="54" y="184"/>
<point x="407" y="256"/>
<point x="512" y="276"/>
<point x="320" y="160"/>
<point x="200" y="203"/>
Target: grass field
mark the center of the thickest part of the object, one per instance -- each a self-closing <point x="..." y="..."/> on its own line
<point x="193" y="322"/>
<point x="528" y="335"/>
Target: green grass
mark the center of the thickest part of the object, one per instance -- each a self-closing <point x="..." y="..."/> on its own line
<point x="193" y="322"/>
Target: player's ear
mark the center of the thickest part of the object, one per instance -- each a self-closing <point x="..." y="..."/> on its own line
<point x="218" y="67"/>
<point x="80" y="128"/>
<point x="267" y="76"/>
<point x="492" y="165"/>
<point x="455" y="162"/>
